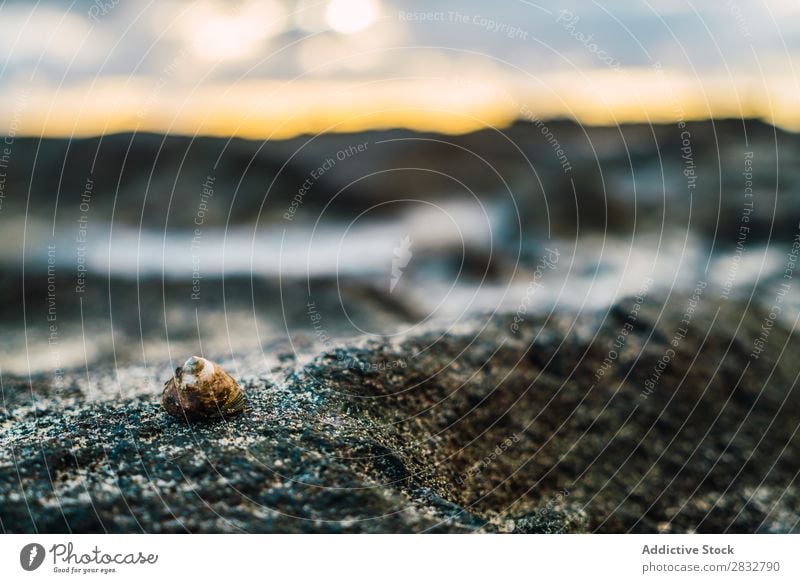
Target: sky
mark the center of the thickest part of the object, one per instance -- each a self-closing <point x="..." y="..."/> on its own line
<point x="275" y="68"/>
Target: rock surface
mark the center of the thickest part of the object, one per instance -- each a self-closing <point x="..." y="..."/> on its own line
<point x="669" y="414"/>
<point x="554" y="428"/>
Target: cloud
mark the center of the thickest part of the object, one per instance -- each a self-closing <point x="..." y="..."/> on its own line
<point x="166" y="52"/>
<point x="221" y="31"/>
<point x="44" y="32"/>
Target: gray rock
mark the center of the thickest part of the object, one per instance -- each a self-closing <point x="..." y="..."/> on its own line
<point x="476" y="428"/>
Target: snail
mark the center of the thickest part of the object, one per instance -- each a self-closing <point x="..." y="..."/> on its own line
<point x="201" y="390"/>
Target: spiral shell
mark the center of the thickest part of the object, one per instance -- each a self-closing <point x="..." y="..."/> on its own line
<point x="202" y="390"/>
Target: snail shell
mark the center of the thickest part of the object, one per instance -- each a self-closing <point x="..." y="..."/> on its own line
<point x="202" y="390"/>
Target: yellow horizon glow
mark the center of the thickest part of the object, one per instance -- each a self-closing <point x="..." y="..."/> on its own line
<point x="278" y="110"/>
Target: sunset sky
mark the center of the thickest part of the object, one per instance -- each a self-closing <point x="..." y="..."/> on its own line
<point x="276" y="68"/>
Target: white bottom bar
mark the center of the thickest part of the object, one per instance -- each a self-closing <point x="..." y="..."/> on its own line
<point x="389" y="558"/>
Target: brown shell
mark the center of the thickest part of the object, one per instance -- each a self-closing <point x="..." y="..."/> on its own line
<point x="190" y="398"/>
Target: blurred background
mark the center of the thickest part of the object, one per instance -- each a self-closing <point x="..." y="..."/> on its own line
<point x="192" y="176"/>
